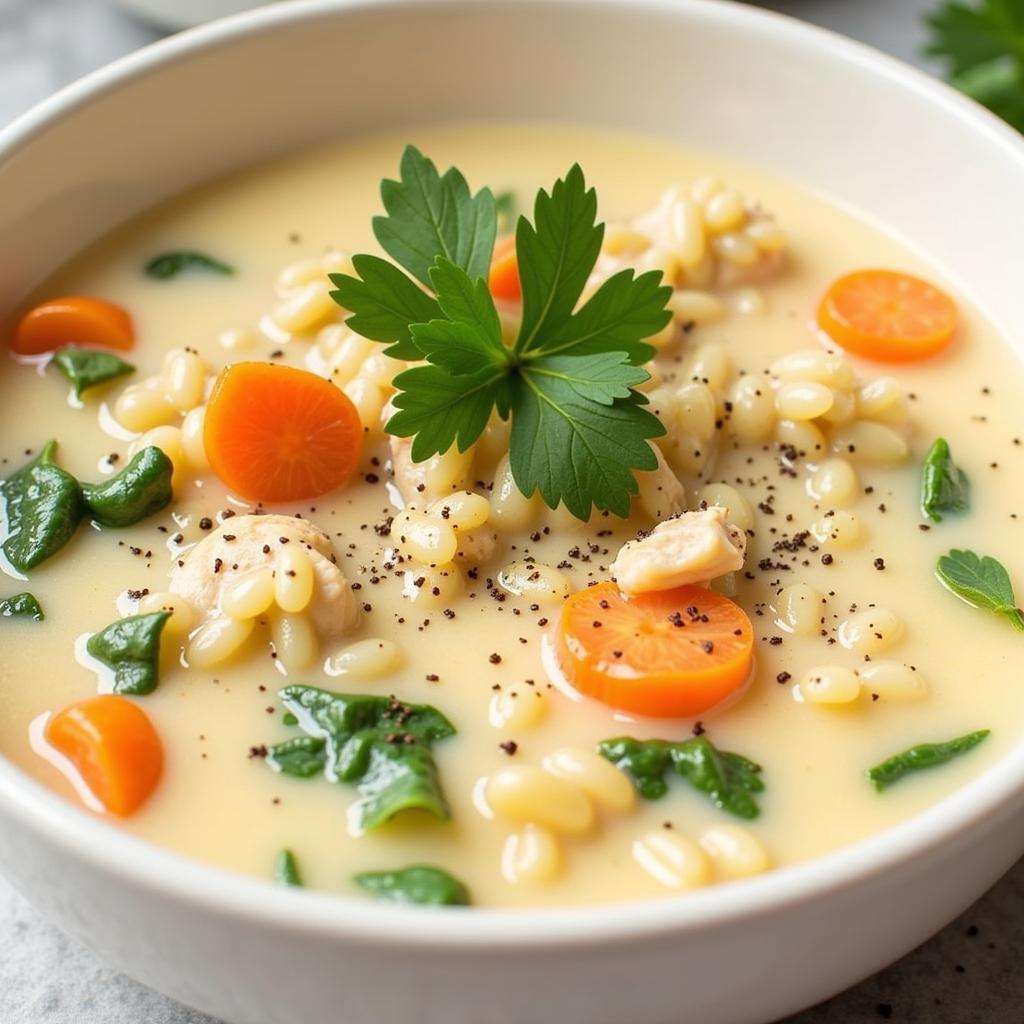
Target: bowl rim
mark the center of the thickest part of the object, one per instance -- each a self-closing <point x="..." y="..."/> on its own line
<point x="214" y="890"/>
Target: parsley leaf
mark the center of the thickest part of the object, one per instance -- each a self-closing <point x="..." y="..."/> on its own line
<point x="431" y="215"/>
<point x="983" y="46"/>
<point x="980" y="581"/>
<point x="944" y="485"/>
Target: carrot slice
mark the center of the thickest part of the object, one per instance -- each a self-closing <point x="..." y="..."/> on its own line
<point x="667" y="654"/>
<point x="503" y="279"/>
<point x="73" y="320"/>
<point x="114" y="748"/>
<point x="887" y="315"/>
<point x="275" y="433"/>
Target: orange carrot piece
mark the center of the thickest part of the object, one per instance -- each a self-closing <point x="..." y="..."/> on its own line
<point x="503" y="279"/>
<point x="667" y="654"/>
<point x="73" y="320"/>
<point x="888" y="316"/>
<point x="114" y="748"/>
<point x="275" y="433"/>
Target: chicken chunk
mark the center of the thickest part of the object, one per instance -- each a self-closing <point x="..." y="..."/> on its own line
<point x="693" y="547"/>
<point x="244" y="543"/>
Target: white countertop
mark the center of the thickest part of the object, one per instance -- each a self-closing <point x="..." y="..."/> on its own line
<point x="971" y="973"/>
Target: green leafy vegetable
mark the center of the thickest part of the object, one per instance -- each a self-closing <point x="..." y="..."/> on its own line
<point x="431" y="215"/>
<point x="982" y="582"/>
<point x="507" y="209"/>
<point x="419" y="884"/>
<point x="983" y="47"/>
<point x="142" y="488"/>
<point x="944" y="486"/>
<point x="88" y="368"/>
<point x="43" y="507"/>
<point x="171" y="264"/>
<point x="131" y="647"/>
<point x="378" y="743"/>
<point x="925" y="755"/>
<point x="286" y="870"/>
<point x="22" y="605"/>
<point x="727" y="779"/>
<point x="579" y="429"/>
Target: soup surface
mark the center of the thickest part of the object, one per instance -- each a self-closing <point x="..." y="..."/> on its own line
<point x="859" y="652"/>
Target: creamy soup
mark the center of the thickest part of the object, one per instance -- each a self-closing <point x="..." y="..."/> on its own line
<point x="777" y="441"/>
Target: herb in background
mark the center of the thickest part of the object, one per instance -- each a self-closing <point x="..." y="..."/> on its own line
<point x="579" y="429"/>
<point x="171" y="264"/>
<point x="507" y="208"/>
<point x="982" y="582"/>
<point x="944" y="486"/>
<point x="378" y="743"/>
<point x="420" y="884"/>
<point x="87" y="368"/>
<point x="983" y="46"/>
<point x="131" y="648"/>
<point x="286" y="870"/>
<point x="925" y="755"/>
<point x="728" y="780"/>
<point x="21" y="606"/>
<point x="43" y="506"/>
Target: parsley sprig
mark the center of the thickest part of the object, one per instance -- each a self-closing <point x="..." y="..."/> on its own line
<point x="579" y="428"/>
<point x="982" y="44"/>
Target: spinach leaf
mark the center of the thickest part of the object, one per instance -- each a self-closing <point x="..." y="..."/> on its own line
<point x="378" y="743"/>
<point x="727" y="779"/>
<point x="419" y="884"/>
<point x="924" y="755"/>
<point x="43" y="506"/>
<point x="982" y="582"/>
<point x="131" y="647"/>
<point x="142" y="488"/>
<point x="286" y="870"/>
<point x="944" y="486"/>
<point x="171" y="264"/>
<point x="87" y="368"/>
<point x="21" y="606"/>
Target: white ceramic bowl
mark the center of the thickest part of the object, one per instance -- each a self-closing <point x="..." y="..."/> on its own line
<point x="836" y="116"/>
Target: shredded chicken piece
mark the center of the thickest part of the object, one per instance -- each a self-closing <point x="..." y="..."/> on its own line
<point x="244" y="543"/>
<point x="693" y="547"/>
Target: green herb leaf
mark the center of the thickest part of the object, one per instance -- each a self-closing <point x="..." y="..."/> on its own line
<point x="43" y="507"/>
<point x="88" y="368"/>
<point x="22" y="605"/>
<point x="728" y="780"/>
<point x="578" y="433"/>
<point x="419" y="884"/>
<point x="944" y="486"/>
<point x="983" y="46"/>
<point x="131" y="647"/>
<point x="982" y="582"/>
<point x="384" y="302"/>
<point x="925" y="755"/>
<point x="141" y="489"/>
<point x="171" y="264"/>
<point x="506" y="206"/>
<point x="286" y="870"/>
<point x="431" y="215"/>
<point x="301" y="757"/>
<point x="378" y="743"/>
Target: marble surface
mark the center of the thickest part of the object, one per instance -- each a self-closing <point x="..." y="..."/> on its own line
<point x="968" y="974"/>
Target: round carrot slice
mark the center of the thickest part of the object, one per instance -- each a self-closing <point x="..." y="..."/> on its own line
<point x="887" y="315"/>
<point x="73" y="320"/>
<point x="275" y="433"/>
<point x="114" y="748"/>
<point x="667" y="654"/>
<point x="503" y="280"/>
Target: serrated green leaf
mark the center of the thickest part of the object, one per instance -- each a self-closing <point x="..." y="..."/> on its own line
<point x="556" y="255"/>
<point x="982" y="582"/>
<point x="431" y="215"/>
<point x="575" y="449"/>
<point x="383" y="302"/>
